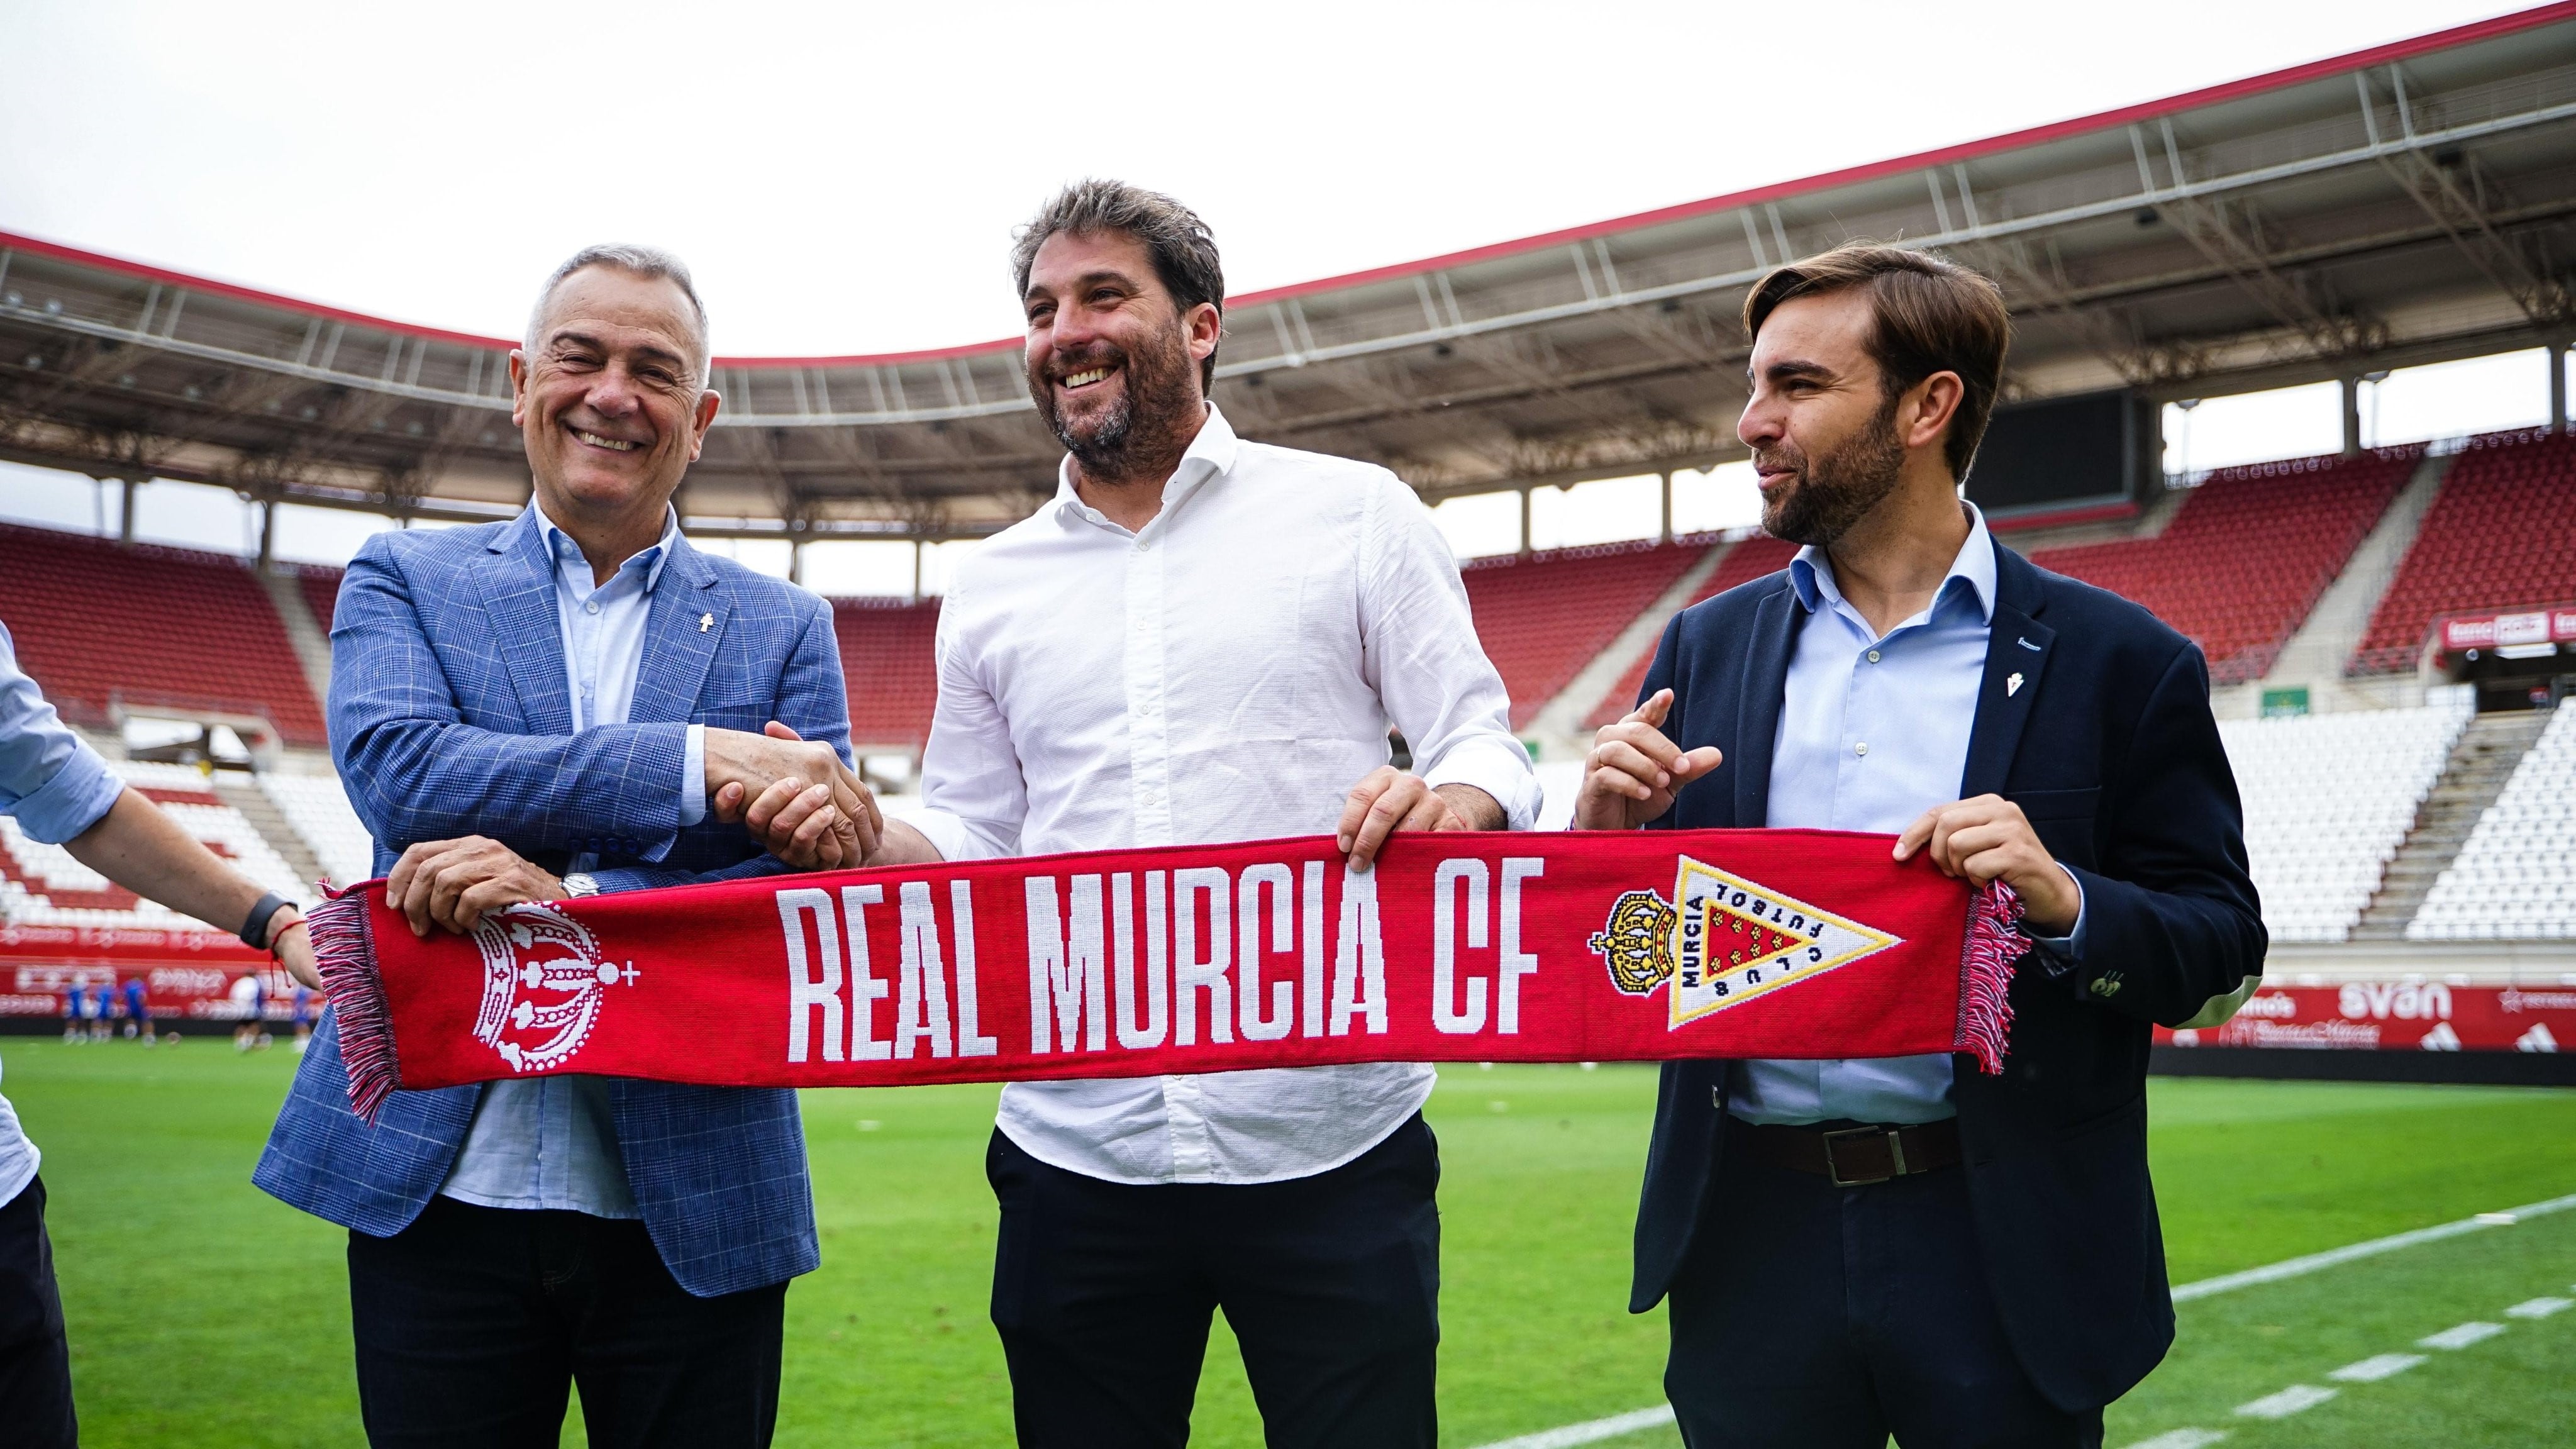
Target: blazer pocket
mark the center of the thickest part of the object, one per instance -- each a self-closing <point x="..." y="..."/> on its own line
<point x="2041" y="805"/>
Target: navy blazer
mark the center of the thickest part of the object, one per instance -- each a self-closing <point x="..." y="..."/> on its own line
<point x="2108" y="745"/>
<point x="451" y="715"/>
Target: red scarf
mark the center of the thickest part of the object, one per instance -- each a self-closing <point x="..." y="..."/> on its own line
<point x="1627" y="946"/>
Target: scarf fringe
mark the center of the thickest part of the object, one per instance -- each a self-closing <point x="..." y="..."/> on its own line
<point x="1992" y="944"/>
<point x="344" y="948"/>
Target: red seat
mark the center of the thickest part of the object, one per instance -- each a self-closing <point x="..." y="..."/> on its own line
<point x="2500" y="535"/>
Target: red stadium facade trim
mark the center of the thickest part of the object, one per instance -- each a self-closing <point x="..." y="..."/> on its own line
<point x="2498" y="26"/>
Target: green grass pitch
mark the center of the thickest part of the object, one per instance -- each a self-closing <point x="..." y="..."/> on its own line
<point x="202" y="1312"/>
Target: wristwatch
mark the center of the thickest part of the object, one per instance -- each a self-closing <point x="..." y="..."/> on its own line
<point x="580" y="883"/>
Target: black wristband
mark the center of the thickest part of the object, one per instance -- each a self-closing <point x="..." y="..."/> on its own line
<point x="254" y="932"/>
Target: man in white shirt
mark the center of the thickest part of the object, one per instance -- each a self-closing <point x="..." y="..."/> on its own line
<point x="1202" y="639"/>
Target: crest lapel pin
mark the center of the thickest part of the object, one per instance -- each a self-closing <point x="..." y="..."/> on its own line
<point x="708" y="621"/>
<point x="2012" y="685"/>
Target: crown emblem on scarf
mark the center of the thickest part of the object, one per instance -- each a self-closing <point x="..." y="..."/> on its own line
<point x="1723" y="940"/>
<point x="543" y="984"/>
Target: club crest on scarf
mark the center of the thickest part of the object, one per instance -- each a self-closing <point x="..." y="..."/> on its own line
<point x="543" y="984"/>
<point x="1727" y="941"/>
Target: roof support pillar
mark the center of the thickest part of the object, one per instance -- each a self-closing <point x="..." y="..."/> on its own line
<point x="125" y="515"/>
<point x="917" y="550"/>
<point x="2558" y="386"/>
<point x="267" y="535"/>
<point x="2351" y="416"/>
<point x="1525" y="523"/>
<point x="796" y="562"/>
<point x="1667" y="534"/>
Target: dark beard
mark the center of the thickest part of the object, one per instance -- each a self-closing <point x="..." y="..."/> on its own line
<point x="1838" y="489"/>
<point x="1145" y="435"/>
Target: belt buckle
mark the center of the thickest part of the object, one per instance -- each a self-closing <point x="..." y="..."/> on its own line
<point x="1895" y="1155"/>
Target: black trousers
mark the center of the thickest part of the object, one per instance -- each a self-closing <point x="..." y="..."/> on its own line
<point x="1812" y="1316"/>
<point x="35" y="1364"/>
<point x="473" y="1323"/>
<point x="1103" y="1294"/>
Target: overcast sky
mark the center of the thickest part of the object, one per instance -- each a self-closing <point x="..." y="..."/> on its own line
<point x="845" y="178"/>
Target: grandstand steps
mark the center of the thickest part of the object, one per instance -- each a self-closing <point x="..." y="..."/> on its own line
<point x="272" y="827"/>
<point x="311" y="641"/>
<point x="1558" y="727"/>
<point x="2315" y="655"/>
<point x="2479" y="766"/>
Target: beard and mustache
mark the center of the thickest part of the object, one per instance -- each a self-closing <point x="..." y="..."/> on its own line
<point x="1152" y="418"/>
<point x="1834" y="489"/>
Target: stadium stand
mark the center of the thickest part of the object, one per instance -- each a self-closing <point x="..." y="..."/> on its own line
<point x="2328" y="801"/>
<point x="317" y="810"/>
<point x="99" y="623"/>
<point x="320" y="585"/>
<point x="42" y="885"/>
<point x="1543" y="616"/>
<point x="1746" y="560"/>
<point x="2306" y="515"/>
<point x="2501" y="534"/>
<point x="889" y="667"/>
<point x="2515" y="877"/>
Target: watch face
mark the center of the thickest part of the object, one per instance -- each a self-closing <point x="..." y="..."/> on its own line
<point x="580" y="884"/>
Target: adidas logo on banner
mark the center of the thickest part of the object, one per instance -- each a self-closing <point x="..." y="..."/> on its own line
<point x="2441" y="1039"/>
<point x="2537" y="1039"/>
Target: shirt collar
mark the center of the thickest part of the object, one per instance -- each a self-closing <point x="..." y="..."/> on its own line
<point x="1211" y="455"/>
<point x="565" y="550"/>
<point x="1811" y="573"/>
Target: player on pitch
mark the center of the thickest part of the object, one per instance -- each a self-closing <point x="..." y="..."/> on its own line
<point x="1859" y="1248"/>
<point x="1202" y="639"/>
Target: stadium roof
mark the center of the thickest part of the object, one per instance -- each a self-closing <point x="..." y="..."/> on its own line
<point x="2395" y="206"/>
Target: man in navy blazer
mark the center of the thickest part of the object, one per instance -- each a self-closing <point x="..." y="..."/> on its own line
<point x="575" y="701"/>
<point x="1854" y="1249"/>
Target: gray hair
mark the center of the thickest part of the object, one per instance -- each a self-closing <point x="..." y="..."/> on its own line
<point x="651" y="263"/>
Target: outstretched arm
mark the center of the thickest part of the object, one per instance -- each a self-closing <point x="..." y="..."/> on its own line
<point x="137" y="846"/>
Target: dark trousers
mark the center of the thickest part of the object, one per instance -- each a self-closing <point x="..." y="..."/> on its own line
<point x="1103" y="1294"/>
<point x="35" y="1364"/>
<point x="1819" y="1317"/>
<point x="473" y="1323"/>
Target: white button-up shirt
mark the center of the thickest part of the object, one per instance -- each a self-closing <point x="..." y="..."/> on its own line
<point x="551" y="1142"/>
<point x="1226" y="673"/>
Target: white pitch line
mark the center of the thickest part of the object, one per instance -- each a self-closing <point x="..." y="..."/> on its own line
<point x="2297" y="1267"/>
<point x="1616" y="1425"/>
<point x="1593" y="1432"/>
<point x="2292" y="1400"/>
<point x="2538" y="1307"/>
<point x="2379" y="1366"/>
<point x="2460" y="1335"/>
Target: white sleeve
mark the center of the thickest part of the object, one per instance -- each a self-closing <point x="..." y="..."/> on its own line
<point x="1419" y="651"/>
<point x="973" y="793"/>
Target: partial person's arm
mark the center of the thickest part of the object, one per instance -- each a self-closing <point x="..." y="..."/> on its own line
<point x="137" y="846"/>
<point x="2169" y="928"/>
<point x="1419" y="651"/>
<point x="974" y="796"/>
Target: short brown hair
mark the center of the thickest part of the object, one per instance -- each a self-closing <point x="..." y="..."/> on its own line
<point x="1927" y="316"/>
<point x="1183" y="249"/>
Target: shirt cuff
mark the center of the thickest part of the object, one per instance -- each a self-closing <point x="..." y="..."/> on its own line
<point x="77" y="798"/>
<point x="693" y="777"/>
<point x="2070" y="945"/>
<point x="1500" y="768"/>
<point x="947" y="832"/>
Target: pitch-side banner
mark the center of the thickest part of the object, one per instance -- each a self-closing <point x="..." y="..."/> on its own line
<point x="1641" y="945"/>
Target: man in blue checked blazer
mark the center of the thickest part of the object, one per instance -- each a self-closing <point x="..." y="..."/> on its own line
<point x="571" y="702"/>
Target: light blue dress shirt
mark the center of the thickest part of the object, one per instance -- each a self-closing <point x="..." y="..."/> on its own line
<point x="551" y="1142"/>
<point x="1873" y="732"/>
<point x="55" y="786"/>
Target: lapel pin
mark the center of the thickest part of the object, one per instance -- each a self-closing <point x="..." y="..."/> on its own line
<point x="2012" y="685"/>
<point x="708" y="621"/>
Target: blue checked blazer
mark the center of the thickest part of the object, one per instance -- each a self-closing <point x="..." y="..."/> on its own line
<point x="450" y="716"/>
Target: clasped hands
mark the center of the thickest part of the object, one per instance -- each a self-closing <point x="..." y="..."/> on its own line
<point x="1634" y="772"/>
<point x="793" y="795"/>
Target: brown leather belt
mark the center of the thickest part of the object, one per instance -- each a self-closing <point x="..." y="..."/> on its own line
<point x="1855" y="1156"/>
